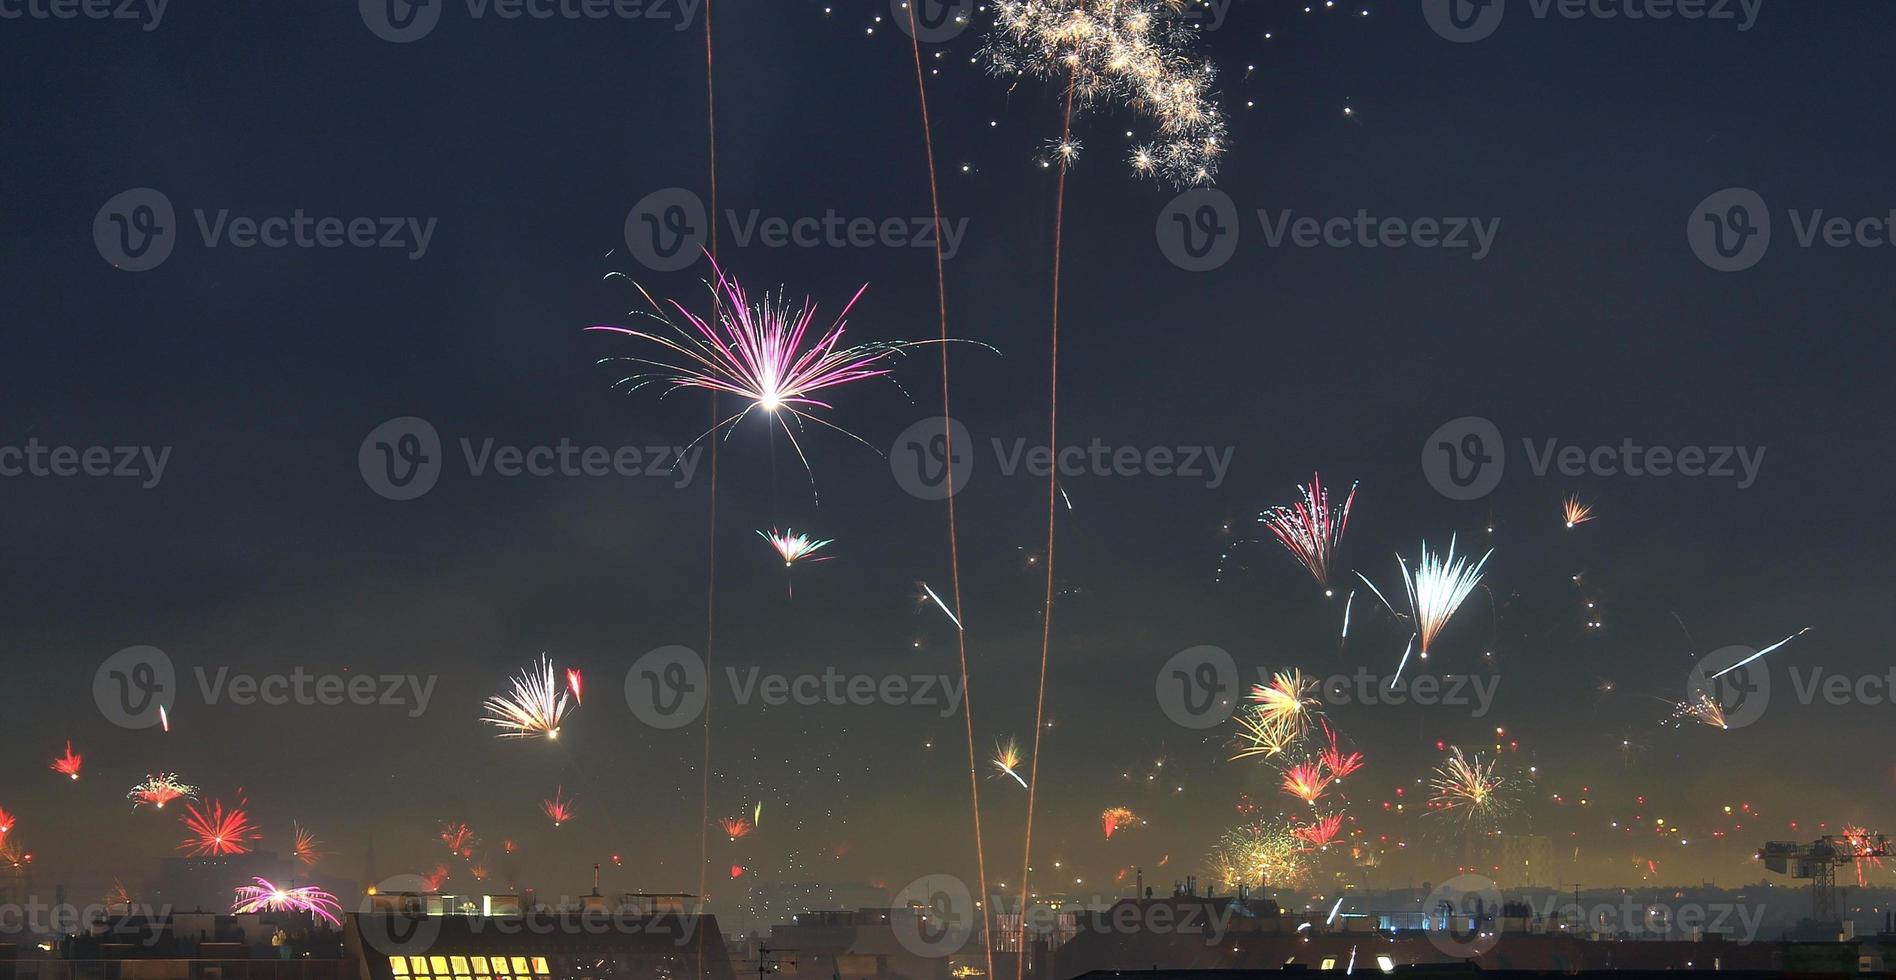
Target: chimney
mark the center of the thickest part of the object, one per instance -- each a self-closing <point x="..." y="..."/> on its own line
<point x="1139" y="887"/>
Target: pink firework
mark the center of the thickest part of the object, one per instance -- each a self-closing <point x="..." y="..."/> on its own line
<point x="433" y="880"/>
<point x="557" y="809"/>
<point x="6" y="823"/>
<point x="267" y="897"/>
<point x="68" y="764"/>
<point x="1333" y="759"/>
<point x="1311" y="529"/>
<point x="764" y="353"/>
<point x="1307" y="781"/>
<point x="218" y="832"/>
<point x="1321" y="832"/>
<point x="574" y="683"/>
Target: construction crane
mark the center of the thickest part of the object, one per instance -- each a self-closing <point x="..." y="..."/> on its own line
<point x="1818" y="861"/>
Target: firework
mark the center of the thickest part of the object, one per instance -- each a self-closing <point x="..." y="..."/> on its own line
<point x="1704" y="709"/>
<point x="68" y="764"/>
<point x="558" y="810"/>
<point x="1307" y="781"/>
<point x="1286" y="702"/>
<point x="1334" y="761"/>
<point x="1575" y="512"/>
<point x="218" y="832"/>
<point x="1260" y="855"/>
<point x="1347" y="603"/>
<point x="433" y="880"/>
<point x="304" y="846"/>
<point x="736" y="827"/>
<point x="1132" y="53"/>
<point x="1007" y="759"/>
<point x="1311" y="530"/>
<point x="156" y="791"/>
<point x="1436" y="588"/>
<point x="1760" y="653"/>
<point x="574" y="683"/>
<point x="7" y="821"/>
<point x="1115" y="818"/>
<point x="1258" y="734"/>
<point x="459" y="837"/>
<point x="1866" y="848"/>
<point x="764" y="353"/>
<point x="534" y="707"/>
<point x="1320" y="832"/>
<point x="1472" y="791"/>
<point x="164" y="719"/>
<point x="793" y="547"/>
<point x="267" y="897"/>
<point x="944" y="606"/>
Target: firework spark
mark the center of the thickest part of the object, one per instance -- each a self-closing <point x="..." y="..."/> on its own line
<point x="459" y="837"/>
<point x="1471" y="790"/>
<point x="1132" y="53"/>
<point x="267" y="897"/>
<point x="736" y="827"/>
<point x="1259" y="735"/>
<point x="558" y="810"/>
<point x="1334" y="761"/>
<point x="1286" y="702"/>
<point x="304" y="846"/>
<point x="1866" y="848"/>
<point x="1260" y="855"/>
<point x="944" y="606"/>
<point x="7" y="820"/>
<point x="217" y="832"/>
<point x="1311" y="530"/>
<point x="1007" y="759"/>
<point x="158" y="790"/>
<point x="793" y="547"/>
<point x="68" y="764"/>
<point x="1760" y="653"/>
<point x="534" y="707"/>
<point x="1307" y="781"/>
<point x="1575" y="512"/>
<point x="574" y="683"/>
<point x="1320" y="832"/>
<point x="1436" y="588"/>
<point x="764" y="353"/>
<point x="1116" y="818"/>
<point x="1704" y="709"/>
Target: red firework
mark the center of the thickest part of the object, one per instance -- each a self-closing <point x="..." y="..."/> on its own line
<point x="436" y="878"/>
<point x="557" y="809"/>
<point x="1322" y="832"/>
<point x="458" y="836"/>
<point x="1333" y="759"/>
<point x="735" y="827"/>
<point x="218" y="832"/>
<point x="574" y="683"/>
<point x="1112" y="819"/>
<point x="6" y="823"/>
<point x="68" y="764"/>
<point x="1306" y="781"/>
<point x="1310" y="529"/>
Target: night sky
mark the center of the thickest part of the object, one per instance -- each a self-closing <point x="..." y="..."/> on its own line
<point x="1591" y="321"/>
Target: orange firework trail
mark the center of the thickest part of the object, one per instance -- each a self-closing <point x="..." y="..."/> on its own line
<point x="735" y="827"/>
<point x="68" y="764"/>
<point x="1321" y="832"/>
<point x="1574" y="512"/>
<point x="304" y="846"/>
<point x="458" y="836"/>
<point x="1306" y="781"/>
<point x="218" y="832"/>
<point x="1286" y="703"/>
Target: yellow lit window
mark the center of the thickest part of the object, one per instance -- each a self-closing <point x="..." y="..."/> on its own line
<point x="440" y="964"/>
<point x="480" y="964"/>
<point x="1329" y="963"/>
<point x="520" y="965"/>
<point x="398" y="964"/>
<point x="460" y="964"/>
<point x="539" y="966"/>
<point x="463" y="978"/>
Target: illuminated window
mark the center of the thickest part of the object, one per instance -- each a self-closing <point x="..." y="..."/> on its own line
<point x="539" y="966"/>
<point x="398" y="964"/>
<point x="440" y="965"/>
<point x="1385" y="964"/>
<point x="1329" y="963"/>
<point x="520" y="965"/>
<point x="480" y="964"/>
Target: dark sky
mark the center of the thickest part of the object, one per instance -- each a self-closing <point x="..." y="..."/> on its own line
<point x="1591" y="321"/>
